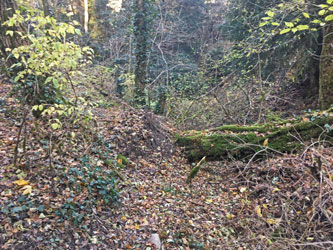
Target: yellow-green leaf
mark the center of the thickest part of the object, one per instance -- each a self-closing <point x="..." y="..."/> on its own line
<point x="78" y="31"/>
<point x="17" y="78"/>
<point x="321" y="12"/>
<point x="55" y="126"/>
<point x="263" y="24"/>
<point x="284" y="31"/>
<point x="266" y="18"/>
<point x="272" y="221"/>
<point x="70" y="29"/>
<point x="329" y="18"/>
<point x="10" y="32"/>
<point x="302" y="27"/>
<point x="55" y="83"/>
<point x="26" y="189"/>
<point x="16" y="55"/>
<point x="48" y="79"/>
<point x="229" y="216"/>
<point x="306" y="15"/>
<point x="270" y="13"/>
<point x="289" y="24"/>
<point x="258" y="211"/>
<point x="315" y="21"/>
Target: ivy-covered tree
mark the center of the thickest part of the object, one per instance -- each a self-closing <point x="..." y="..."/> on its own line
<point x="326" y="68"/>
<point x="310" y="17"/>
<point x="183" y="32"/>
<point x="46" y="7"/>
<point x="286" y="50"/>
<point x="7" y="10"/>
<point x="141" y="34"/>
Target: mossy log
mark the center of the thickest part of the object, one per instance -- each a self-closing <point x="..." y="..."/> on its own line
<point x="243" y="142"/>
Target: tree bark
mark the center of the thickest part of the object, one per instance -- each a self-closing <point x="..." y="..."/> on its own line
<point x="7" y="9"/>
<point x="46" y="8"/>
<point x="86" y="16"/>
<point x="141" y="49"/>
<point x="326" y="69"/>
<point x="242" y="142"/>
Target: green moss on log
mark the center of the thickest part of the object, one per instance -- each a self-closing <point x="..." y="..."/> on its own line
<point x="233" y="141"/>
<point x="238" y="128"/>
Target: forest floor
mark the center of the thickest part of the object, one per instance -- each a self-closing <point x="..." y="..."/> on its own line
<point x="283" y="202"/>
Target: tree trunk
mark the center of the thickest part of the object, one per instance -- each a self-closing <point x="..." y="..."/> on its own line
<point x="7" y="9"/>
<point x="242" y="142"/>
<point x="326" y="69"/>
<point x="313" y="66"/>
<point x="46" y="8"/>
<point x="141" y="41"/>
<point x="78" y="10"/>
<point x="86" y="16"/>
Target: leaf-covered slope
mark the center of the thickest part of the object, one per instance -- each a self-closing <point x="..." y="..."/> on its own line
<point x="274" y="204"/>
<point x="138" y="133"/>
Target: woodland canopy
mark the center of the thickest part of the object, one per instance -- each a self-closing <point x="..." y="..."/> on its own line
<point x="168" y="124"/>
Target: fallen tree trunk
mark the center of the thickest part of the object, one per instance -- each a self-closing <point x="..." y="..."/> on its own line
<point x="244" y="142"/>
